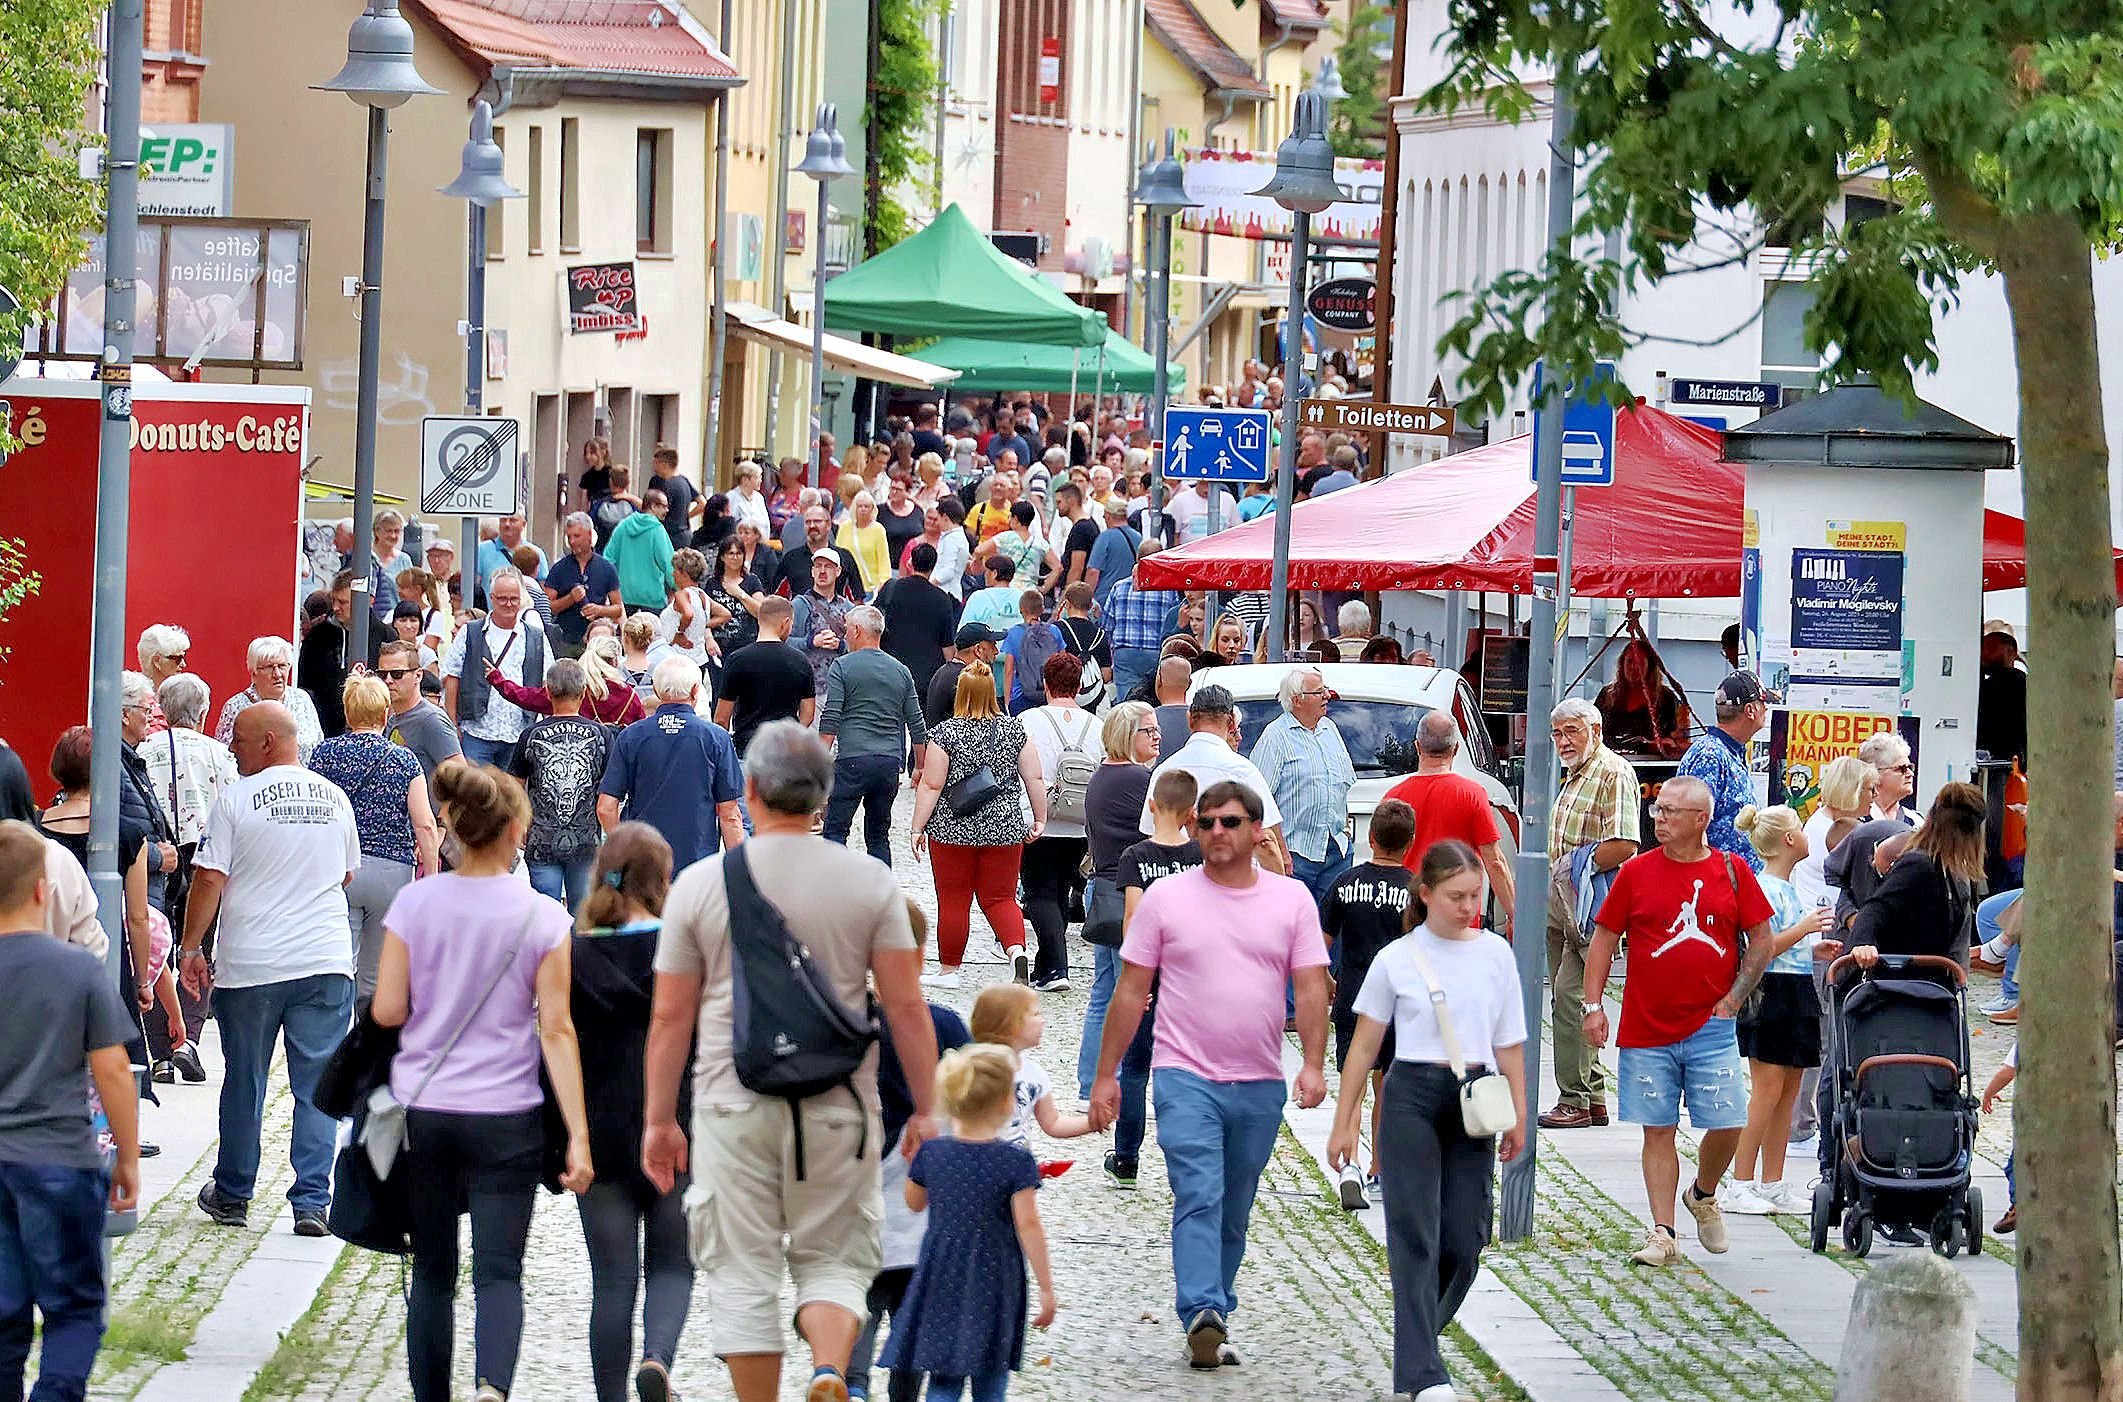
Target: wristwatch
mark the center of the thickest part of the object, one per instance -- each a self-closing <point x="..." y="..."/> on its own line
<point x="1590" y="1008"/>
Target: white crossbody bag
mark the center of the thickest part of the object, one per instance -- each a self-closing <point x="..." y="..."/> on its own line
<point x="1485" y="1100"/>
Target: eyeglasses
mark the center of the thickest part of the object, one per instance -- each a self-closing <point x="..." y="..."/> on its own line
<point x="176" y="661"/>
<point x="391" y="674"/>
<point x="1903" y="768"/>
<point x="1226" y="821"/>
<point x="1666" y="810"/>
<point x="1147" y="728"/>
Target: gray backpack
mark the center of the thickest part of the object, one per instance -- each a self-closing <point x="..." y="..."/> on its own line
<point x="1070" y="782"/>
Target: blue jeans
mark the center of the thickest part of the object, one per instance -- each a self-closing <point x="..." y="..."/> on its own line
<point x="1319" y="877"/>
<point x="566" y="881"/>
<point x="480" y="750"/>
<point x="310" y="1015"/>
<point x="987" y="1387"/>
<point x="1132" y="667"/>
<point x="1134" y="1119"/>
<point x="1217" y="1137"/>
<point x="1105" y="972"/>
<point x="51" y="1263"/>
<point x="873" y="782"/>
<point x="1988" y="914"/>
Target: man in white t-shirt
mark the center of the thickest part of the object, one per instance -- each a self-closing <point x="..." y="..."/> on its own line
<point x="1211" y="756"/>
<point x="273" y="864"/>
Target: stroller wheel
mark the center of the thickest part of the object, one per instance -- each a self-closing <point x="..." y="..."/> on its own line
<point x="1857" y="1232"/>
<point x="1946" y="1233"/>
<point x="1824" y="1211"/>
<point x="1973" y="1216"/>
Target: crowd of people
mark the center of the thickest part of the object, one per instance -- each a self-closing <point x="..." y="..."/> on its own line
<point x="520" y="838"/>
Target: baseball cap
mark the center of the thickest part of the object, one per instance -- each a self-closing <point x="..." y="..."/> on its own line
<point x="974" y="634"/>
<point x="442" y="543"/>
<point x="1744" y="689"/>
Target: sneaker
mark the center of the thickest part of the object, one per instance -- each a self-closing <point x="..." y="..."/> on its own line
<point x="186" y="1060"/>
<point x="1371" y="1186"/>
<point x="149" y="1151"/>
<point x="489" y="1393"/>
<point x="162" y="1073"/>
<point x="1020" y="966"/>
<point x="945" y="979"/>
<point x="1807" y="1150"/>
<point x="225" y="1211"/>
<point x="827" y="1385"/>
<point x="1059" y="983"/>
<point x="1981" y="961"/>
<point x="2003" y="1010"/>
<point x="1741" y="1196"/>
<point x="652" y="1382"/>
<point x="310" y="1222"/>
<point x="1709" y="1222"/>
<point x="2008" y="1224"/>
<point x="1440" y="1392"/>
<point x="1120" y="1172"/>
<point x="1792" y="1198"/>
<point x="1350" y="1189"/>
<point x="1902" y="1234"/>
<point x="1659" y="1249"/>
<point x="1205" y="1340"/>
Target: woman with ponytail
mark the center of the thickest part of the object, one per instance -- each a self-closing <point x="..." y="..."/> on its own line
<point x="627" y="1225"/>
<point x="476" y="970"/>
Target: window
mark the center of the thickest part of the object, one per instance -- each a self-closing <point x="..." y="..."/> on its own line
<point x="619" y="403"/>
<point x="1863" y="209"/>
<point x="659" y="422"/>
<point x="652" y="190"/>
<point x="1785" y="356"/>
<point x="534" y="191"/>
<point x="570" y="186"/>
<point x="497" y="214"/>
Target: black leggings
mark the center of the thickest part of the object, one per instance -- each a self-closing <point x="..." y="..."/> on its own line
<point x="489" y="1165"/>
<point x="629" y="1226"/>
<point x="1438" y="1212"/>
<point x="1050" y="865"/>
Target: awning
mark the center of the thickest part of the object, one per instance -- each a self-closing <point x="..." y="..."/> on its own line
<point x="951" y="280"/>
<point x="1020" y="365"/>
<point x="756" y="323"/>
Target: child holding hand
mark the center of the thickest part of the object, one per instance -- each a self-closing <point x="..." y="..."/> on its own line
<point x="1008" y="1015"/>
<point x="963" y="1319"/>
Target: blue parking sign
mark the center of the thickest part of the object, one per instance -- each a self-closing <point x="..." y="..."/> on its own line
<point x="1222" y="445"/>
<point x="1588" y="430"/>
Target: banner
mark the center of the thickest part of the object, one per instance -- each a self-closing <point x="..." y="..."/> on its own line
<point x="601" y="298"/>
<point x="1223" y="182"/>
<point x="1803" y="743"/>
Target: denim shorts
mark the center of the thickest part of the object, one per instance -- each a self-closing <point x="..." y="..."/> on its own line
<point x="1704" y="1068"/>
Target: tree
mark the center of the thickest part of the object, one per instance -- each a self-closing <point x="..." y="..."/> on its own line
<point x="48" y="61"/>
<point x="1999" y="127"/>
<point x="1357" y="127"/>
<point x="903" y="83"/>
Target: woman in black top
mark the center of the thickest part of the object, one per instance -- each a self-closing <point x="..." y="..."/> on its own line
<point x="1925" y="903"/>
<point x="716" y="524"/>
<point x="1643" y="715"/>
<point x="1113" y="810"/>
<point x="66" y="823"/>
<point x="626" y="1223"/>
<point x="739" y="592"/>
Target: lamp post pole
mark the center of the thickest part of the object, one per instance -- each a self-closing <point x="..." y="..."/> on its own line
<point x="379" y="74"/>
<point x="480" y="183"/>
<point x="1160" y="188"/>
<point x="825" y="160"/>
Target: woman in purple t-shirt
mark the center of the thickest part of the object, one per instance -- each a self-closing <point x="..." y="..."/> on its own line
<point x="476" y="970"/>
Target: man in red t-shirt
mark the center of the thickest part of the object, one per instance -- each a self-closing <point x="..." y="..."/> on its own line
<point x="1684" y="907"/>
<point x="1452" y="805"/>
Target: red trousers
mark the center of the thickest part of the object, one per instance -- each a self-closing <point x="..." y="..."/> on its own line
<point x="964" y="874"/>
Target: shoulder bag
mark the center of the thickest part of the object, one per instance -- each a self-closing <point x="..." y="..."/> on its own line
<point x="1485" y="1100"/>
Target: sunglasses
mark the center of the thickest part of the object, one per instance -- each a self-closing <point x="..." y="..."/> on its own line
<point x="1226" y="821"/>
<point x="391" y="674"/>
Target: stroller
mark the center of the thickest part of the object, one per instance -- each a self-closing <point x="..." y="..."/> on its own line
<point x="1904" y="1121"/>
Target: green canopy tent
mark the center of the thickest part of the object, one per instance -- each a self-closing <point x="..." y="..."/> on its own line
<point x="1014" y="365"/>
<point x="951" y="280"/>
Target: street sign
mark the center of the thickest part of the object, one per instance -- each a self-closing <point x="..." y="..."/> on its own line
<point x="1588" y="431"/>
<point x="1363" y="416"/>
<point x="1222" y="445"/>
<point x="1729" y="394"/>
<point x="468" y="466"/>
<point x="1344" y="303"/>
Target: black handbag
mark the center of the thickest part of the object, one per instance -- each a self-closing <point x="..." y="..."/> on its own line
<point x="367" y="1211"/>
<point x="1104" y="906"/>
<point x="968" y="795"/>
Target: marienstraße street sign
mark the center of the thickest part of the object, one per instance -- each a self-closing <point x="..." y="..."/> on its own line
<point x="468" y="466"/>
<point x="1223" y="445"/>
<point x="1363" y="416"/>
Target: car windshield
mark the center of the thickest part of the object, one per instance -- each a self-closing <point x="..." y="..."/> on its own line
<point x="1380" y="735"/>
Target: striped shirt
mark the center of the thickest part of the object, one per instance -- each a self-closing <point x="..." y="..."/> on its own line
<point x="1310" y="774"/>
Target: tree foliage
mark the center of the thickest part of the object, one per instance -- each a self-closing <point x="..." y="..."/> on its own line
<point x="17" y="582"/>
<point x="1997" y="125"/>
<point x="902" y="106"/>
<point x="48" y="61"/>
<point x="1357" y="126"/>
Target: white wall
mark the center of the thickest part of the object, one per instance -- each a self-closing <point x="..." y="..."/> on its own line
<point x="1101" y="170"/>
<point x="969" y="119"/>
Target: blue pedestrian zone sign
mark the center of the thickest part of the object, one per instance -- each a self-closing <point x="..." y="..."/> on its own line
<point x="1588" y="431"/>
<point x="1223" y="445"/>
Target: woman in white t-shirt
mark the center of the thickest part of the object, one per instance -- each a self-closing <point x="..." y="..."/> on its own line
<point x="1435" y="1177"/>
<point x="1847" y="788"/>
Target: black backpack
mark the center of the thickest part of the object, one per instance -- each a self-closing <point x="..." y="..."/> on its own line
<point x="789" y="1035"/>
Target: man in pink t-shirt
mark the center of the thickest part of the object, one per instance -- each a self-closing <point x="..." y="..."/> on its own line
<point x="1223" y="942"/>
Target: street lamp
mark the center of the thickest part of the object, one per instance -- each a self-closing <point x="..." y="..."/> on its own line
<point x="1328" y="83"/>
<point x="479" y="182"/>
<point x="379" y="74"/>
<point x="1303" y="183"/>
<point x="825" y="160"/>
<point x="1161" y="189"/>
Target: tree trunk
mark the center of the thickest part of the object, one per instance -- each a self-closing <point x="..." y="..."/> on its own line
<point x="2070" y="1278"/>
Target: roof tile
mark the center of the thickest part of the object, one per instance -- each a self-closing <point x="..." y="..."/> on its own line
<point x="598" y="36"/>
<point x="1182" y="30"/>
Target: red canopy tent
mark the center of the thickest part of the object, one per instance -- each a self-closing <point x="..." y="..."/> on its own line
<point x="1668" y="528"/>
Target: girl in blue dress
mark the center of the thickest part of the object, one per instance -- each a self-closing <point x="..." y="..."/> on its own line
<point x="963" y="1321"/>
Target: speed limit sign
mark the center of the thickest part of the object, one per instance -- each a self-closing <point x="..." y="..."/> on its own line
<point x="468" y="466"/>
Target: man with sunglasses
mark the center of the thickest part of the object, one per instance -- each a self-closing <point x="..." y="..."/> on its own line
<point x="415" y="722"/>
<point x="1224" y="940"/>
